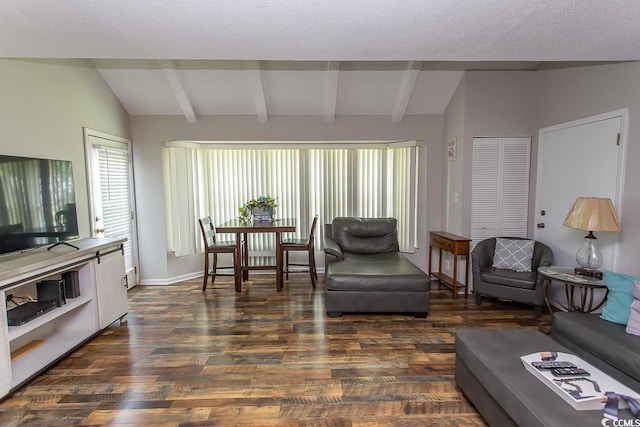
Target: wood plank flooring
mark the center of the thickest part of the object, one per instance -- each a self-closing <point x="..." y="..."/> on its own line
<point x="262" y="358"/>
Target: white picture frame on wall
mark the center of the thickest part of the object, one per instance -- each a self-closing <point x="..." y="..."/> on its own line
<point x="451" y="149"/>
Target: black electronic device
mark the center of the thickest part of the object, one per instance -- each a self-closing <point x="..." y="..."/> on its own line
<point x="28" y="311"/>
<point x="71" y="284"/>
<point x="596" y="274"/>
<point x="569" y="372"/>
<point x="38" y="201"/>
<point x="51" y="290"/>
<point x="552" y="364"/>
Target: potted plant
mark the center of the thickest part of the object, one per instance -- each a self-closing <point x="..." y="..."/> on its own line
<point x="262" y="208"/>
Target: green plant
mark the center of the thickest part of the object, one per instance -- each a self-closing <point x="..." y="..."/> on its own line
<point x="267" y="202"/>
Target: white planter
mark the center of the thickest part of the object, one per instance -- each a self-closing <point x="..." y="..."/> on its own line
<point x="263" y="214"/>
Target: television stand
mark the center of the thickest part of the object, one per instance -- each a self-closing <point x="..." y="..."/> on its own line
<point x="62" y="243"/>
<point x="30" y="346"/>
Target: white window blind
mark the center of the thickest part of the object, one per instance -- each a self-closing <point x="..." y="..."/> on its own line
<point x="116" y="196"/>
<point x="370" y="181"/>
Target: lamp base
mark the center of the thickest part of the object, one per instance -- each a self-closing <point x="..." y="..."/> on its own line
<point x="596" y="274"/>
<point x="589" y="256"/>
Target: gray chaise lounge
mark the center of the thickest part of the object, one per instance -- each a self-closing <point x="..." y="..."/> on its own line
<point x="365" y="272"/>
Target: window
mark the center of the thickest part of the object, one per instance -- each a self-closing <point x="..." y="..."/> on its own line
<point x="111" y="193"/>
<point x="356" y="179"/>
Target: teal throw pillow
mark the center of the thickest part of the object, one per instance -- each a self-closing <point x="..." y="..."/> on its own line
<point x="616" y="308"/>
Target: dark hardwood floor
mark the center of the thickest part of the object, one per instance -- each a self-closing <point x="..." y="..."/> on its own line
<point x="262" y="358"/>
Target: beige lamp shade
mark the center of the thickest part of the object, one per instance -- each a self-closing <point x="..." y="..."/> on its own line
<point x="593" y="214"/>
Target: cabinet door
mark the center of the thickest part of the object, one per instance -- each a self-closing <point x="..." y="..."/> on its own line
<point x="111" y="288"/>
<point x="5" y="356"/>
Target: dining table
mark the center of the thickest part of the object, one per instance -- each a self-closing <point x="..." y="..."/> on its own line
<point x="242" y="229"/>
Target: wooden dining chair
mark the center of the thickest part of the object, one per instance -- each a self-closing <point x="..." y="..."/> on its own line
<point x="212" y="246"/>
<point x="308" y="245"/>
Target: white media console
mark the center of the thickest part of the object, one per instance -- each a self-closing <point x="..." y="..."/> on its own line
<point x="28" y="349"/>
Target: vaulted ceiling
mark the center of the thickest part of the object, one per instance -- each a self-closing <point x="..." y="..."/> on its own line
<point x="326" y="58"/>
<point x="325" y="88"/>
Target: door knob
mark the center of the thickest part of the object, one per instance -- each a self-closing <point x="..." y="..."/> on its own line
<point x="540" y="225"/>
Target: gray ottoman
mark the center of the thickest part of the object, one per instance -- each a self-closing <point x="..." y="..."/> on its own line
<point x="490" y="374"/>
<point x="385" y="282"/>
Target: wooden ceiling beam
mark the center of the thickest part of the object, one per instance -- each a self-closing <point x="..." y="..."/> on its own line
<point x="404" y="95"/>
<point x="331" y="90"/>
<point x="255" y="75"/>
<point x="171" y="74"/>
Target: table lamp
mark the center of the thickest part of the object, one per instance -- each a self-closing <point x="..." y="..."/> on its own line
<point x="591" y="214"/>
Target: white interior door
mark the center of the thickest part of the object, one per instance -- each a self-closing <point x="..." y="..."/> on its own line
<point x="584" y="158"/>
<point x="109" y="171"/>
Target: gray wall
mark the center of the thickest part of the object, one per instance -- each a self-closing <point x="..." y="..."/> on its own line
<point x="520" y="103"/>
<point x="43" y="107"/>
<point x="45" y="104"/>
<point x="497" y="104"/>
<point x="576" y="93"/>
<point x="158" y="266"/>
<point x="454" y="127"/>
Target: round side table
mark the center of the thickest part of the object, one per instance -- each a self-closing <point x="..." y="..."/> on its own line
<point x="585" y="286"/>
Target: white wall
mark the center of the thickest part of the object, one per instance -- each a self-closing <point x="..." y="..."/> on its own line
<point x="149" y="133"/>
<point x="43" y="108"/>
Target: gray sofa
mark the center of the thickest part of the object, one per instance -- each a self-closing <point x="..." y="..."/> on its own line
<point x="490" y="374"/>
<point x="522" y="287"/>
<point x="365" y="272"/>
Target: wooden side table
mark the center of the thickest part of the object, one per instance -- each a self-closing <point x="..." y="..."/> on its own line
<point x="457" y="246"/>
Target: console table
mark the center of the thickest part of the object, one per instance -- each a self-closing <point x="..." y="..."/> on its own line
<point x="457" y="246"/>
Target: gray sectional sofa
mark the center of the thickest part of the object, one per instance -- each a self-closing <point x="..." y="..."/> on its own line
<point x="489" y="371"/>
<point x="365" y="272"/>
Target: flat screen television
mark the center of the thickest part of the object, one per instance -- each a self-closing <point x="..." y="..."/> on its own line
<point x="37" y="203"/>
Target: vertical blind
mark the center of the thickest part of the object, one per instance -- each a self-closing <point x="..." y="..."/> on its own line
<point x="369" y="182"/>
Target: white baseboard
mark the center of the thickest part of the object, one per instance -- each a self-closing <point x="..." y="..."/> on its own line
<point x="171" y="280"/>
<point x="188" y="276"/>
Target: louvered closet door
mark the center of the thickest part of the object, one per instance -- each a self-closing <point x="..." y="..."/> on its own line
<point x="500" y="187"/>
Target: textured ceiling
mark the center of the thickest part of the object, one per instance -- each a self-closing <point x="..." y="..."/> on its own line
<point x="339" y="30"/>
<point x="326" y="57"/>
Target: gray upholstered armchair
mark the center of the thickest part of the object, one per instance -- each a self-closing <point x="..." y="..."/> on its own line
<point x="518" y="286"/>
